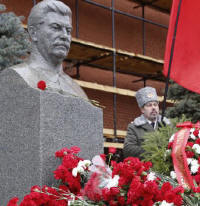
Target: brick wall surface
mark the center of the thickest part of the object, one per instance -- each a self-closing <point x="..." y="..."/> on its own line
<point x="95" y="26"/>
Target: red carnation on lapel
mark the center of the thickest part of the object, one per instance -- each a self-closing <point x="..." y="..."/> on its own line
<point x="41" y="85"/>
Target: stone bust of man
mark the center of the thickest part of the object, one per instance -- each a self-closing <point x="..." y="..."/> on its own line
<point x="49" y="27"/>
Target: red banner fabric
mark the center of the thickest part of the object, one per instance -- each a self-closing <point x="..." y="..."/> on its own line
<point x="185" y="67"/>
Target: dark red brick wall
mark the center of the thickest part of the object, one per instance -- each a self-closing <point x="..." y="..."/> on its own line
<point x="95" y="26"/>
<point x="126" y="107"/>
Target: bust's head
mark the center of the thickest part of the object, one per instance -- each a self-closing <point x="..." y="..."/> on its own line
<point x="49" y="26"/>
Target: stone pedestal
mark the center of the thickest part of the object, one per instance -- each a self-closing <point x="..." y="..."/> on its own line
<point x="33" y="125"/>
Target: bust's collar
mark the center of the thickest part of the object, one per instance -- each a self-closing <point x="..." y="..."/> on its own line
<point x="48" y="74"/>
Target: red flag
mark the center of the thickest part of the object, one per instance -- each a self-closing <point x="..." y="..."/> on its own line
<point x="185" y="67"/>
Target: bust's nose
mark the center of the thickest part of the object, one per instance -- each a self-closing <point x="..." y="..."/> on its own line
<point x="64" y="34"/>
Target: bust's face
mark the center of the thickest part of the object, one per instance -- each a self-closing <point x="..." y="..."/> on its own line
<point x="54" y="37"/>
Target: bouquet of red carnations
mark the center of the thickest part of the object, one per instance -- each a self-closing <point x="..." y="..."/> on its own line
<point x="85" y="182"/>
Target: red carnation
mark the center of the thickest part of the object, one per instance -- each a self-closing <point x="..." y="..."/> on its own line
<point x="197" y="141"/>
<point x="170" y="196"/>
<point x="190" y="144"/>
<point x="178" y="190"/>
<point x="178" y="200"/>
<point x="103" y="156"/>
<point x="112" y="150"/>
<point x="41" y="85"/>
<point x="166" y="187"/>
<point x="189" y="154"/>
<point x="113" y="203"/>
<point x="114" y="191"/>
<point x="197" y="178"/>
<point x="35" y="188"/>
<point x="13" y="202"/>
<point x="170" y="145"/>
<point x="75" y="149"/>
<point x="106" y="194"/>
<point x="121" y="200"/>
<point x="196" y="132"/>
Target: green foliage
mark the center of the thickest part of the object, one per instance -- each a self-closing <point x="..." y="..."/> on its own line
<point x="155" y="146"/>
<point x="186" y="102"/>
<point x="14" y="40"/>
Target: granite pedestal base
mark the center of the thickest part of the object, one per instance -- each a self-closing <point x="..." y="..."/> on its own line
<point x="33" y="125"/>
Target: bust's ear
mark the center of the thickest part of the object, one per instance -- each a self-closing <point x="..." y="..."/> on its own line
<point x="33" y="33"/>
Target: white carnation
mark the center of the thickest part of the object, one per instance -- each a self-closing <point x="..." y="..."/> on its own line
<point x="173" y="174"/>
<point x="87" y="163"/>
<point x="74" y="172"/>
<point x="189" y="160"/>
<point x="192" y="130"/>
<point x="164" y="203"/>
<point x="194" y="169"/>
<point x="80" y="170"/>
<point x="192" y="136"/>
<point x="84" y="164"/>
<point x="194" y="166"/>
<point x="151" y="176"/>
<point x="81" y="164"/>
<point x="196" y="148"/>
<point x="113" y="182"/>
<point x="194" y="162"/>
<point x="172" y="138"/>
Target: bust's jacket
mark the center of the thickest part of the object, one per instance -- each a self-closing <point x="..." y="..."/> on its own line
<point x="56" y="82"/>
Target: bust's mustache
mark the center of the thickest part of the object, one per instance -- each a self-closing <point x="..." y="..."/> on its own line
<point x="63" y="44"/>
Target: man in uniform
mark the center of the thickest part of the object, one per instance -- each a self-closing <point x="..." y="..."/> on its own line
<point x="149" y="121"/>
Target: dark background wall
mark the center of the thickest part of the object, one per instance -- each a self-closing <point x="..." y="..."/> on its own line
<point x="95" y="25"/>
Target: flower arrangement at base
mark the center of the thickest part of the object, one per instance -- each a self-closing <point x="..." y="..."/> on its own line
<point x="171" y="157"/>
<point x="85" y="182"/>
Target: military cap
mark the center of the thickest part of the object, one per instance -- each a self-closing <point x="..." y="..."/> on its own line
<point x="146" y="94"/>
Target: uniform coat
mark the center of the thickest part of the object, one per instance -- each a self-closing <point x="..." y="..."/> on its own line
<point x="135" y="133"/>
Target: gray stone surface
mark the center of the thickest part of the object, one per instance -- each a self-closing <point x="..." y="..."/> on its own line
<point x="33" y="125"/>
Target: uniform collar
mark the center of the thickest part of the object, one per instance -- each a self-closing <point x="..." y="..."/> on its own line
<point x="141" y="120"/>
